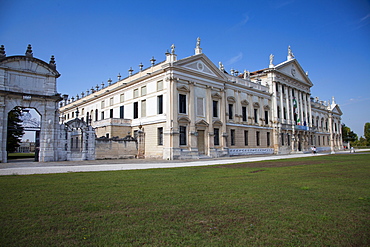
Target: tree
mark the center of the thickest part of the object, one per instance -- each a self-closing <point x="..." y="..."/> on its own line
<point x="15" y="129"/>
<point x="367" y="133"/>
<point x="348" y="135"/>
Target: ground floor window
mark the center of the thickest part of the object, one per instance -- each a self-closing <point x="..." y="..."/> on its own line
<point x="160" y="136"/>
<point x="282" y="139"/>
<point x="268" y="138"/>
<point x="216" y="133"/>
<point x="182" y="135"/>
<point x="232" y="137"/>
<point x="246" y="137"/>
<point x="257" y="138"/>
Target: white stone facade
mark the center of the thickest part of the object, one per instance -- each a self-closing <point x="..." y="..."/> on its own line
<point x="191" y="108"/>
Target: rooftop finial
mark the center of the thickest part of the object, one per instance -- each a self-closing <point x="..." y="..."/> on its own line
<point x="130" y="71"/>
<point x="152" y="61"/>
<point x="141" y="66"/>
<point x="29" y="51"/>
<point x="119" y="76"/>
<point x="52" y="62"/>
<point x="290" y="54"/>
<point x="2" y="51"/>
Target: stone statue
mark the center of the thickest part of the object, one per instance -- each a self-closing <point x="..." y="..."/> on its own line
<point x="198" y="42"/>
<point x="173" y="49"/>
<point x="290" y="53"/>
<point x="271" y="59"/>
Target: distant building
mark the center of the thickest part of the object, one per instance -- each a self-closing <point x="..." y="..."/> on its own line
<point x="26" y="147"/>
<point x="191" y="108"/>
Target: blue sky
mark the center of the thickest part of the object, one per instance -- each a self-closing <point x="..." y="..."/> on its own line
<point x="95" y="40"/>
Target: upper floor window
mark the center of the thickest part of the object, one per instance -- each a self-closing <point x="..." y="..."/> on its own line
<point x="136" y="109"/>
<point x="122" y="97"/>
<point x="231" y="112"/>
<point x="215" y="108"/>
<point x="111" y="101"/>
<point x="182" y="103"/>
<point x="255" y="115"/>
<point x="244" y="113"/>
<point x="102" y="104"/>
<point x="159" y="85"/>
<point x="266" y="117"/>
<point x="143" y="90"/>
<point x="160" y="104"/>
<point x="136" y="93"/>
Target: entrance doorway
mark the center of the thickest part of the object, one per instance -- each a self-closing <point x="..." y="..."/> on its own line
<point x="201" y="142"/>
<point x="23" y="135"/>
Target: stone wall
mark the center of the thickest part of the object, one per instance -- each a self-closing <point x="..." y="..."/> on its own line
<point x="116" y="148"/>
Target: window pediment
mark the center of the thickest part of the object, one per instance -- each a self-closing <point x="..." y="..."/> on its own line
<point x="216" y="96"/>
<point x="244" y="102"/>
<point x="183" y="88"/>
<point x="231" y="99"/>
<point x="183" y="119"/>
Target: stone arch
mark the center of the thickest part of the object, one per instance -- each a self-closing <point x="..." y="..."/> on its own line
<point x="29" y="82"/>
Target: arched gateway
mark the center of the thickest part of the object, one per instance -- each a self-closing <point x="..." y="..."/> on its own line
<point x="28" y="82"/>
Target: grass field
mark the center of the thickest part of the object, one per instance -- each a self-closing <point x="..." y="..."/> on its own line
<point x="316" y="201"/>
<point x="20" y="155"/>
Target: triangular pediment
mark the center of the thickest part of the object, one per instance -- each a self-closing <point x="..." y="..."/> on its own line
<point x="294" y="70"/>
<point x="336" y="109"/>
<point x="201" y="64"/>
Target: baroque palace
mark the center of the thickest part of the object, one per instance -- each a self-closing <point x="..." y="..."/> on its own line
<point x="192" y="108"/>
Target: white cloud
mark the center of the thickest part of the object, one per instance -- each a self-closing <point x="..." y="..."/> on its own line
<point x="235" y="59"/>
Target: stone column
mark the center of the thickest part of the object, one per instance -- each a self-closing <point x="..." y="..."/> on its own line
<point x="288" y="106"/>
<point x="192" y="116"/>
<point x="331" y="133"/>
<point x="310" y="111"/>
<point x="3" y="131"/>
<point x="209" y="118"/>
<point x="281" y="104"/>
<point x="140" y="144"/>
<point x="223" y="107"/>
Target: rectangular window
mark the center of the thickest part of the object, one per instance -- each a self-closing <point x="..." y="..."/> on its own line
<point x="160" y="136"/>
<point x="111" y="113"/>
<point x="122" y="112"/>
<point x="318" y="138"/>
<point x="143" y="90"/>
<point x="288" y="136"/>
<point x="284" y="113"/>
<point x="122" y="98"/>
<point x="231" y="111"/>
<point x="160" y="104"/>
<point x="102" y="104"/>
<point x="268" y="139"/>
<point x="182" y="135"/>
<point x="215" y="108"/>
<point x="136" y="110"/>
<point x="244" y="113"/>
<point x="282" y="139"/>
<point x="182" y="103"/>
<point x="258" y="138"/>
<point x="136" y="93"/>
<point x="282" y="88"/>
<point x="255" y="115"/>
<point x="277" y="87"/>
<point x="246" y="137"/>
<point x="232" y="137"/>
<point x="96" y="114"/>
<point x="111" y="101"/>
<point x="200" y="111"/>
<point x="73" y="114"/>
<point x="266" y="117"/>
<point x="143" y="108"/>
<point x="278" y="111"/>
<point x="216" y="133"/>
<point x="159" y="85"/>
<point x="102" y="115"/>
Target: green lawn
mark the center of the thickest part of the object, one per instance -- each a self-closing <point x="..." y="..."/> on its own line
<point x="316" y="201"/>
<point x="20" y="155"/>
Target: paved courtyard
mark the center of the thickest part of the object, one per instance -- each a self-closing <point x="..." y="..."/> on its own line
<point x="29" y="167"/>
